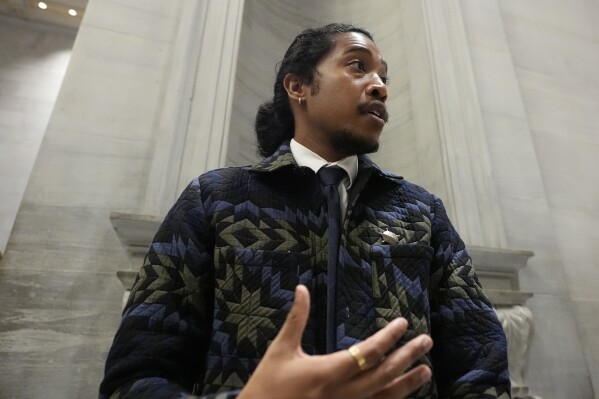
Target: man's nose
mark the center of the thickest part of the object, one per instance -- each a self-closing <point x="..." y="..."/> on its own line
<point x="377" y="89"/>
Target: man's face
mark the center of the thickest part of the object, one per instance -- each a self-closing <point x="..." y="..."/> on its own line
<point x="345" y="111"/>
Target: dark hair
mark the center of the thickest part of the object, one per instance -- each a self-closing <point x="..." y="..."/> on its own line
<point x="274" y="120"/>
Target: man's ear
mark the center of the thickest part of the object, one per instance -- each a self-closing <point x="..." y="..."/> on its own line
<point x="295" y="87"/>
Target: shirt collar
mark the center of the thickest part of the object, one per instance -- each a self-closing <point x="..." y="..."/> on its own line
<point x="306" y="157"/>
<point x="283" y="159"/>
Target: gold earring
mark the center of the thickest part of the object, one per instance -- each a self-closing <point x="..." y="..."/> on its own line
<point x="299" y="101"/>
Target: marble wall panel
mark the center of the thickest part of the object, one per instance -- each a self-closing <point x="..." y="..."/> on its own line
<point x="106" y="143"/>
<point x="10" y="204"/>
<point x="110" y="99"/>
<point x="23" y="118"/>
<point x="585" y="313"/>
<point x="150" y="19"/>
<point x="65" y="238"/>
<point x="567" y="109"/>
<point x="557" y="365"/>
<point x="57" y="279"/>
<point x="556" y="57"/>
<point x="100" y="141"/>
<point x="206" y="134"/>
<point x="544" y="273"/>
<point x="569" y="168"/>
<point x="88" y="179"/>
<point x="34" y="45"/>
<point x="55" y="330"/>
<point x="484" y="28"/>
<point x="593" y="9"/>
<point x="88" y="169"/>
<point x="265" y="34"/>
<point x="528" y="225"/>
<point x="551" y="50"/>
<point x="429" y="160"/>
<point x="16" y="152"/>
<point x="106" y="45"/>
<point x="572" y="16"/>
<point x="33" y="59"/>
<point x="577" y="238"/>
<point x="516" y="173"/>
<point x="397" y="143"/>
<point x="496" y="82"/>
<point x="20" y="85"/>
<point x="400" y="159"/>
<point x="117" y="81"/>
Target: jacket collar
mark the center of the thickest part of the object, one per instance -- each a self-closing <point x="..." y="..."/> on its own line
<point x="283" y="158"/>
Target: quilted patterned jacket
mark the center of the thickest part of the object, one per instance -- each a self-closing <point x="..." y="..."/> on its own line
<point x="219" y="278"/>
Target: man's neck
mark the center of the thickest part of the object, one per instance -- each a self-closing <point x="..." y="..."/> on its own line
<point x="317" y="147"/>
<point x="304" y="156"/>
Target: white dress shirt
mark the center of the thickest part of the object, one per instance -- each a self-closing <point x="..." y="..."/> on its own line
<point x="305" y="157"/>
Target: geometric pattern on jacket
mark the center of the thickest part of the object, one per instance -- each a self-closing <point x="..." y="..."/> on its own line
<point x="219" y="277"/>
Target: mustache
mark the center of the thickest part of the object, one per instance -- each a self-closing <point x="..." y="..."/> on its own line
<point x="376" y="106"/>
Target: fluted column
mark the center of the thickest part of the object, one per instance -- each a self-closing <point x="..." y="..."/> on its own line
<point x="455" y="161"/>
<point x="450" y="134"/>
<point x="193" y="125"/>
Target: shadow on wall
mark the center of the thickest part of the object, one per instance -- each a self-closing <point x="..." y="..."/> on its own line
<point x="33" y="61"/>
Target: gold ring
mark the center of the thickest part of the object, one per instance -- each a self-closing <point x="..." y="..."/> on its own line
<point x="354" y="351"/>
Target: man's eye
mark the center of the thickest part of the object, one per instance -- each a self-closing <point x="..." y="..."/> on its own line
<point x="359" y="65"/>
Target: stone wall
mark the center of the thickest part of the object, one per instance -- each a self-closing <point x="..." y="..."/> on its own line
<point x="532" y="92"/>
<point x="61" y="298"/>
<point x="33" y="60"/>
<point x="555" y="55"/>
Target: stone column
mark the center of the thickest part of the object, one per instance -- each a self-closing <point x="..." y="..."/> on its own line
<point x="454" y="156"/>
<point x="193" y="126"/>
<point x="456" y="162"/>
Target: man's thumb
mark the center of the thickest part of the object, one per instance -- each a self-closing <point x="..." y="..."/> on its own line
<point x="293" y="328"/>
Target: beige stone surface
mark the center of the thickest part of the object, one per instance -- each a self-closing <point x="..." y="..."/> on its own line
<point x="58" y="284"/>
<point x="556" y="58"/>
<point x="557" y="366"/>
<point x="33" y="60"/>
<point x="126" y="92"/>
<point x="577" y="237"/>
<point x="585" y="314"/>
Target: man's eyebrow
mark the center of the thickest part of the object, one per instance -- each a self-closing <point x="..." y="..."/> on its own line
<point x="364" y="50"/>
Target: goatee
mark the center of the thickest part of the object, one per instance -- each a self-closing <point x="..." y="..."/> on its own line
<point x="347" y="142"/>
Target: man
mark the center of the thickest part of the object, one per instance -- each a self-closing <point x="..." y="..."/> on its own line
<point x="387" y="272"/>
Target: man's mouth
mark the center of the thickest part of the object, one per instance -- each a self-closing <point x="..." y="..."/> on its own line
<point x="376" y="108"/>
<point x="376" y="113"/>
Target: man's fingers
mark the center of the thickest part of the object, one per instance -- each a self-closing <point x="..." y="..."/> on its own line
<point x="372" y="349"/>
<point x="293" y="328"/>
<point x="406" y="384"/>
<point x="403" y="358"/>
<point x="392" y="369"/>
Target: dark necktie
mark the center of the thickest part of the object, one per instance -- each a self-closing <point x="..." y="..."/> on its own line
<point x="330" y="177"/>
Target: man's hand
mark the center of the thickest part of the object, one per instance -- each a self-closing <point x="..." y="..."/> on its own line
<point x="286" y="372"/>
